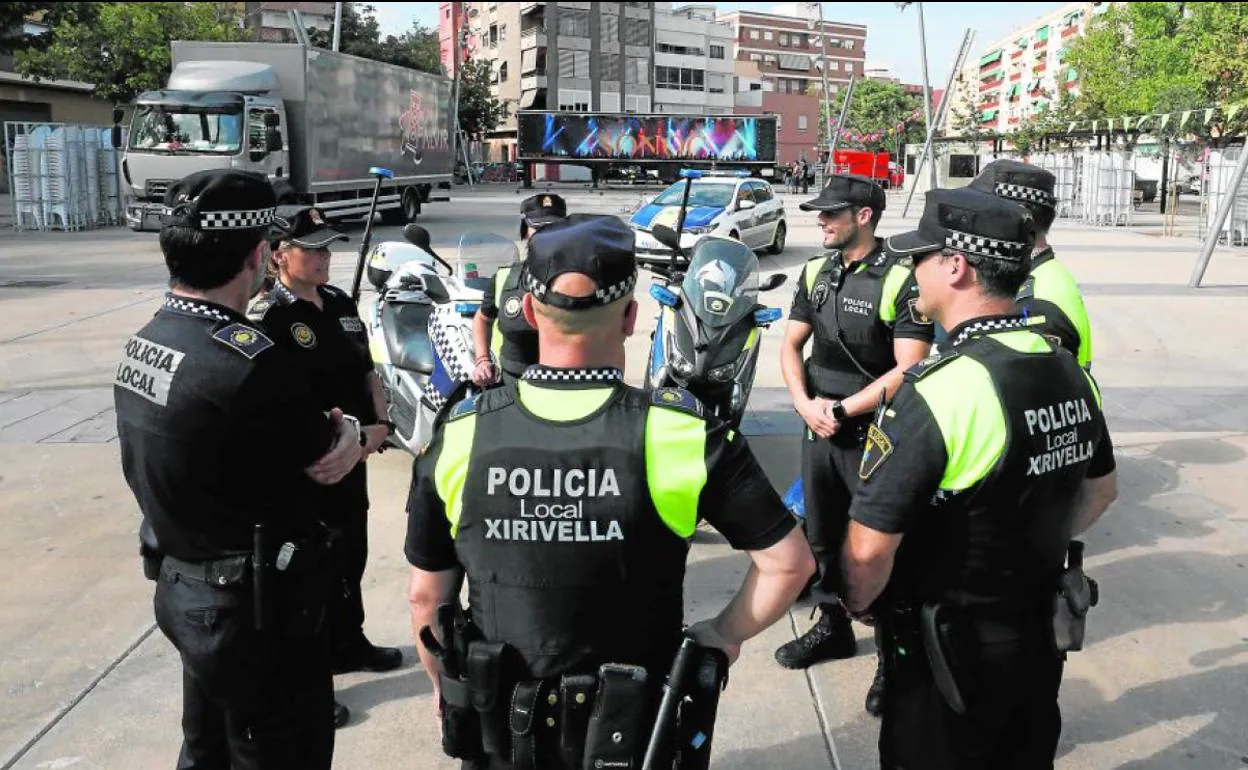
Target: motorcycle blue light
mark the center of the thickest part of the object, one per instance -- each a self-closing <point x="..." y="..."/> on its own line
<point x="691" y="173"/>
<point x="767" y="315"/>
<point x="664" y="296"/>
<point x="466" y="307"/>
<point x="379" y="171"/>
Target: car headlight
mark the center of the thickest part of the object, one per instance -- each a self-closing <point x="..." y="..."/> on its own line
<point x="699" y="230"/>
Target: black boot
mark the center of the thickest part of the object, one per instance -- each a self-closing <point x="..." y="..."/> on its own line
<point x="831" y="638"/>
<point x="875" y="693"/>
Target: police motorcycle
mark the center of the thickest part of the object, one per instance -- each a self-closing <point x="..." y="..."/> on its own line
<point x="419" y="325"/>
<point x="707" y="335"/>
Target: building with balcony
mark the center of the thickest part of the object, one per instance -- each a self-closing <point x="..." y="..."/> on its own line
<point x="574" y="56"/>
<point x="1021" y="74"/>
<point x="272" y="23"/>
<point x="693" y="61"/>
<point x="779" y="65"/>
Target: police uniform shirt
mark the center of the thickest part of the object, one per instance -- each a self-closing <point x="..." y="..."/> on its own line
<point x="734" y="496"/>
<point x="202" y="397"/>
<point x="874" y="304"/>
<point x="1052" y="304"/>
<point x="513" y="340"/>
<point x="331" y="347"/>
<point x="935" y="464"/>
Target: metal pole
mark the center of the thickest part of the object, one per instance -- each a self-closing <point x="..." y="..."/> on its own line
<point x="941" y="108"/>
<point x="1224" y="210"/>
<point x="827" y="96"/>
<point x="457" y="56"/>
<point x="840" y="123"/>
<point x="337" y="24"/>
<point x="927" y="90"/>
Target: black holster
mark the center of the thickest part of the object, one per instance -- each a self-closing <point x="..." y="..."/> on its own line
<point x="291" y="594"/>
<point x="461" y="721"/>
<point x="1077" y="593"/>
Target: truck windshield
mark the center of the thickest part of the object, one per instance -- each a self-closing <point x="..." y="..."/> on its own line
<point x="186" y="130"/>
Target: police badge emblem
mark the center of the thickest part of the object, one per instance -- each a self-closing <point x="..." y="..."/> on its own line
<point x="546" y="202"/>
<point x="819" y="294"/>
<point x="316" y="217"/>
<point x="878" y="448"/>
<point x="915" y="315"/>
<point x="303" y="335"/>
<point x="511" y="308"/>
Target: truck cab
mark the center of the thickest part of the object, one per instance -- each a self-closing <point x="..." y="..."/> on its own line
<point x="212" y="115"/>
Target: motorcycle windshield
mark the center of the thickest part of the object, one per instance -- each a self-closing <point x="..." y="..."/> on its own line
<point x="721" y="283"/>
<point x="480" y="255"/>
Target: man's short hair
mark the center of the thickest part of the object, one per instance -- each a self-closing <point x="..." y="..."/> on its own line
<point x="215" y="219"/>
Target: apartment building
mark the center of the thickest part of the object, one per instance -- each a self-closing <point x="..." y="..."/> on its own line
<point x="1021" y="74"/>
<point x="577" y="56"/>
<point x="693" y="61"/>
<point x="452" y="23"/>
<point x="778" y="69"/>
<point x="272" y="22"/>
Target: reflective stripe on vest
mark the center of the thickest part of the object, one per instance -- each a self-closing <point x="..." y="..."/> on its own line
<point x="496" y="335"/>
<point x="1055" y="283"/>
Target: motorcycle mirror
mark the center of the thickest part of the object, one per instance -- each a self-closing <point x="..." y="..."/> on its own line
<point x="775" y="281"/>
<point x="417" y="235"/>
<point x="767" y="315"/>
<point x="666" y="236"/>
<point x="665" y="297"/>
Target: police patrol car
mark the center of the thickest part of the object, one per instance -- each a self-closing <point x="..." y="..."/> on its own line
<point x="728" y="204"/>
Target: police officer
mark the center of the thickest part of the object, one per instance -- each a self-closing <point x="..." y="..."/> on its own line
<point x="992" y="455"/>
<point x="221" y="442"/>
<point x="569" y="500"/>
<point x="512" y="341"/>
<point x="1050" y="299"/>
<point x="858" y="303"/>
<point x="320" y="326"/>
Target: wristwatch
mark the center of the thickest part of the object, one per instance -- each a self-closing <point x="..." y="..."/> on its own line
<point x="838" y="412"/>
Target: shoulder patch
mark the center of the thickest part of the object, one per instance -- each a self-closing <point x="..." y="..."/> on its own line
<point x="258" y="308"/>
<point x="879" y="446"/>
<point x="929" y="365"/>
<point x="1028" y="289"/>
<point x="465" y="407"/>
<point x="678" y="399"/>
<point x="915" y="315"/>
<point x="245" y="339"/>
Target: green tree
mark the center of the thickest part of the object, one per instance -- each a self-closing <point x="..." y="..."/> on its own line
<point x="417" y="48"/>
<point x="479" y="112"/>
<point x="123" y="48"/>
<point x="875" y="113"/>
<point x="13" y="16"/>
<point x="965" y="117"/>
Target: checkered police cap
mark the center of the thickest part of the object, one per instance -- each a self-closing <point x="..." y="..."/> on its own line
<point x="1017" y="181"/>
<point x="220" y="199"/>
<point x="597" y="245"/>
<point x="972" y="222"/>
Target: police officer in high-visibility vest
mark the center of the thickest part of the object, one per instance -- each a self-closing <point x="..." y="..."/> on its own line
<point x="991" y="457"/>
<point x="510" y="346"/>
<point x="221" y="442"/>
<point x="569" y="499"/>
<point x="1049" y="299"/>
<point x="858" y="304"/>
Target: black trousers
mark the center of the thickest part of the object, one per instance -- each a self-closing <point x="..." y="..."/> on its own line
<point x="1012" y="719"/>
<point x="250" y="701"/>
<point x="345" y="614"/>
<point x="829" y="479"/>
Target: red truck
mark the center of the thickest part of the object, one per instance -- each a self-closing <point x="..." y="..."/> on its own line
<point x="873" y="165"/>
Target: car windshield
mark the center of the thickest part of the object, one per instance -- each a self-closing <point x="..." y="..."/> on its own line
<point x="722" y="281"/>
<point x="718" y="195"/>
<point x="187" y="130"/>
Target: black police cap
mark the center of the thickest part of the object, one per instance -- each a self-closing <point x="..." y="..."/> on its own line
<point x="597" y="245"/>
<point x="539" y="210"/>
<point x="303" y="226"/>
<point x="844" y="190"/>
<point x="220" y="199"/>
<point x="1017" y="181"/>
<point x="972" y="222"/>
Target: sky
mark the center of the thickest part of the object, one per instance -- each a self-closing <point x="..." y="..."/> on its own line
<point x="892" y="35"/>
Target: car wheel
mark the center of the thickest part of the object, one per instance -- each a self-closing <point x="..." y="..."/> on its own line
<point x="777" y="243"/>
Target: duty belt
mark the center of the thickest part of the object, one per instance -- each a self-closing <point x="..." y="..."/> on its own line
<point x="223" y="572"/>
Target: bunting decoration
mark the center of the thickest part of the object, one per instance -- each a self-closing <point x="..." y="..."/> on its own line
<point x="1202" y="116"/>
